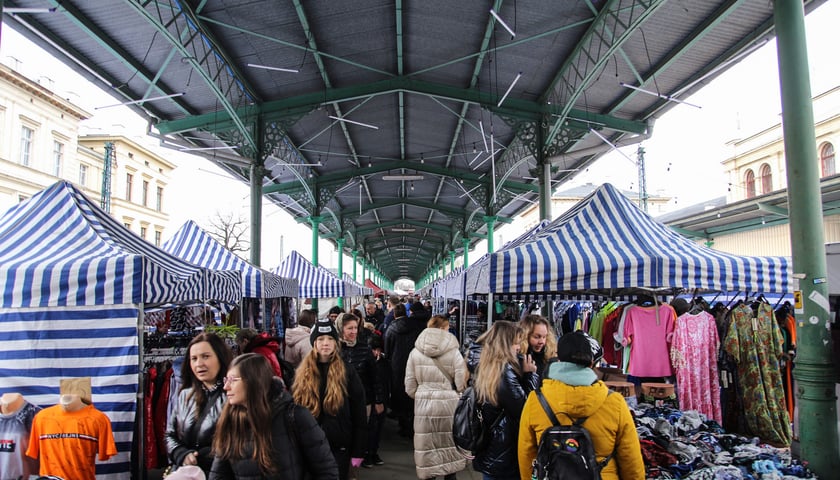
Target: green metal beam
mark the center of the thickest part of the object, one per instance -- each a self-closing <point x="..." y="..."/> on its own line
<point x="772" y="209"/>
<point x="512" y="107"/>
<point x="354" y="211"/>
<point x="380" y="167"/>
<point x="691" y="234"/>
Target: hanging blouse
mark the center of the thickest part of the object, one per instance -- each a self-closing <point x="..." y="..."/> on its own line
<point x="694" y="352"/>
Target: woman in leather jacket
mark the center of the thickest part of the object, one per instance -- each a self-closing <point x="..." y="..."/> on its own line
<point x="262" y="434"/>
<point x="190" y="427"/>
<point x="501" y="383"/>
<point x="539" y="341"/>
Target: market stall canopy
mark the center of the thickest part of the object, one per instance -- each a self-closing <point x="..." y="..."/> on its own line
<point x="354" y="288"/>
<point x="607" y="244"/>
<point x="60" y="248"/>
<point x="313" y="281"/>
<point x="195" y="245"/>
<point x="400" y="129"/>
<point x="376" y="289"/>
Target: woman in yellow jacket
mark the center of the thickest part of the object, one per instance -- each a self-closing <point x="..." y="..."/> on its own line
<point x="571" y="386"/>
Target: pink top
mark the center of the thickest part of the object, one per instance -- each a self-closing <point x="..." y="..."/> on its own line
<point x="648" y="331"/>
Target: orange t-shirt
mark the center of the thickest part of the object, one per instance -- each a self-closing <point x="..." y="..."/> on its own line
<point x="68" y="442"/>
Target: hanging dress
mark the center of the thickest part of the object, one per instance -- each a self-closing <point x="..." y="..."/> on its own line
<point x="755" y="342"/>
<point x="694" y="352"/>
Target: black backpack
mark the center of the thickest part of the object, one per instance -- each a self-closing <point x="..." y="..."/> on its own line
<point x="468" y="429"/>
<point x="566" y="451"/>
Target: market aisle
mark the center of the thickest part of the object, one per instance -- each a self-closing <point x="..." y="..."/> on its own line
<point x="398" y="454"/>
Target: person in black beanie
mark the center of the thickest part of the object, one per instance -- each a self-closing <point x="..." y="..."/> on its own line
<point x="331" y="389"/>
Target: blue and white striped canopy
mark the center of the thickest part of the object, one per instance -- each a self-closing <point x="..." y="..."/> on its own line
<point x="195" y="245"/>
<point x="354" y="288"/>
<point x="476" y="277"/>
<point x="313" y="282"/>
<point x="606" y="242"/>
<point x="59" y="248"/>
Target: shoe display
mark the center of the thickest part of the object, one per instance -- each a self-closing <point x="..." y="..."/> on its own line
<point x="377" y="460"/>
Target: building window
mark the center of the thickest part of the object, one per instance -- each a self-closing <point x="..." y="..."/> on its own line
<point x="827" y="159"/>
<point x="159" y="199"/>
<point x="143" y="233"/>
<point x="26" y="135"/>
<point x="129" y="179"/>
<point x="145" y="193"/>
<point x="127" y="225"/>
<point x="58" y="157"/>
<point x="83" y="173"/>
<point x="766" y="179"/>
<point x="749" y="183"/>
<point x="157" y="238"/>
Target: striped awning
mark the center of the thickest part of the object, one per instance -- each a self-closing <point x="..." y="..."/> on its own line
<point x="195" y="245"/>
<point x="354" y="288"/>
<point x="476" y="277"/>
<point x="59" y="248"/>
<point x="313" y="282"/>
<point x="607" y="243"/>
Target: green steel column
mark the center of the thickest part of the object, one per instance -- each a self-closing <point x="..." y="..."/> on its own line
<point x="466" y="252"/>
<point x="451" y="261"/>
<point x="340" y="244"/>
<point x="814" y="373"/>
<point x="256" y="212"/>
<point x="545" y="191"/>
<point x="314" y="221"/>
<point x="355" y="253"/>
<point x="491" y="222"/>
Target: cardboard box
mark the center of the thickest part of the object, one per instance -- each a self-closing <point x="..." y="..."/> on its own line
<point x="626" y="389"/>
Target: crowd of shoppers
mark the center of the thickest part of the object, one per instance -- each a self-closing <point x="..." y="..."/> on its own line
<point x="238" y="418"/>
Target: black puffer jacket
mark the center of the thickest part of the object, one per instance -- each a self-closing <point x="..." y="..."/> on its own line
<point x="299" y="447"/>
<point x="347" y="430"/>
<point x="399" y="342"/>
<point x="500" y="458"/>
<point x="360" y="357"/>
<point x="184" y="436"/>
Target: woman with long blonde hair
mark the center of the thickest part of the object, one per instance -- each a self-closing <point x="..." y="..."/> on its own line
<point x="332" y="391"/>
<point x="539" y="341"/>
<point x="501" y="384"/>
<point x="255" y="436"/>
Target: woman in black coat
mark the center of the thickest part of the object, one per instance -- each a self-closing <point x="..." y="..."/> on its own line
<point x="500" y="389"/>
<point x="293" y="448"/>
<point x="399" y="342"/>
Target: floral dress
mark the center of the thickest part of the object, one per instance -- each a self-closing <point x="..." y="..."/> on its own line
<point x="755" y="342"/>
<point x="694" y="352"/>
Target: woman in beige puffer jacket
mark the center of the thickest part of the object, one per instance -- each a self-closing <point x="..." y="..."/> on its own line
<point x="435" y="351"/>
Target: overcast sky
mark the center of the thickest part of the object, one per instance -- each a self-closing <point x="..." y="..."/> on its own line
<point x="688" y="143"/>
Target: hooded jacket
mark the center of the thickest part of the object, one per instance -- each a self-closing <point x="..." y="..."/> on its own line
<point x="609" y="423"/>
<point x="297" y="344"/>
<point x="435" y="453"/>
<point x="268" y="347"/>
<point x="190" y="431"/>
<point x="299" y="447"/>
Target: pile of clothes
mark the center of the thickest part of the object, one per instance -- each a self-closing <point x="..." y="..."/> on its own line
<point x="687" y="445"/>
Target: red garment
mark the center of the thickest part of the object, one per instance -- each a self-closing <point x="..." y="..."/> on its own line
<point x="268" y="347"/>
<point x="612" y="355"/>
<point x="149" y="440"/>
<point x="161" y="407"/>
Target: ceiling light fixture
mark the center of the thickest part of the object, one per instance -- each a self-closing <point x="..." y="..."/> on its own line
<point x="345" y="120"/>
<point x="499" y="19"/>
<point x="664" y="97"/>
<point x="198" y="149"/>
<point x="483" y="136"/>
<point x="509" y="88"/>
<point x="404" y="230"/>
<point x="402" y="177"/>
<point x="143" y="100"/>
<point x="276" y="69"/>
<point x="29" y="10"/>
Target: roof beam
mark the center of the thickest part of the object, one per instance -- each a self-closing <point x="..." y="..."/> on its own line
<point x="591" y="53"/>
<point x="394" y="223"/>
<point x="512" y="107"/>
<point x="450" y="211"/>
<point x="205" y="52"/>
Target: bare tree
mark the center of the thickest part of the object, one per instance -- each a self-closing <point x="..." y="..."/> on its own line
<point x="231" y="231"/>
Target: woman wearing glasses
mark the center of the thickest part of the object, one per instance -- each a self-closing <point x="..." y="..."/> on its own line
<point x="332" y="391"/>
<point x="190" y="427"/>
<point x="293" y="447"/>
